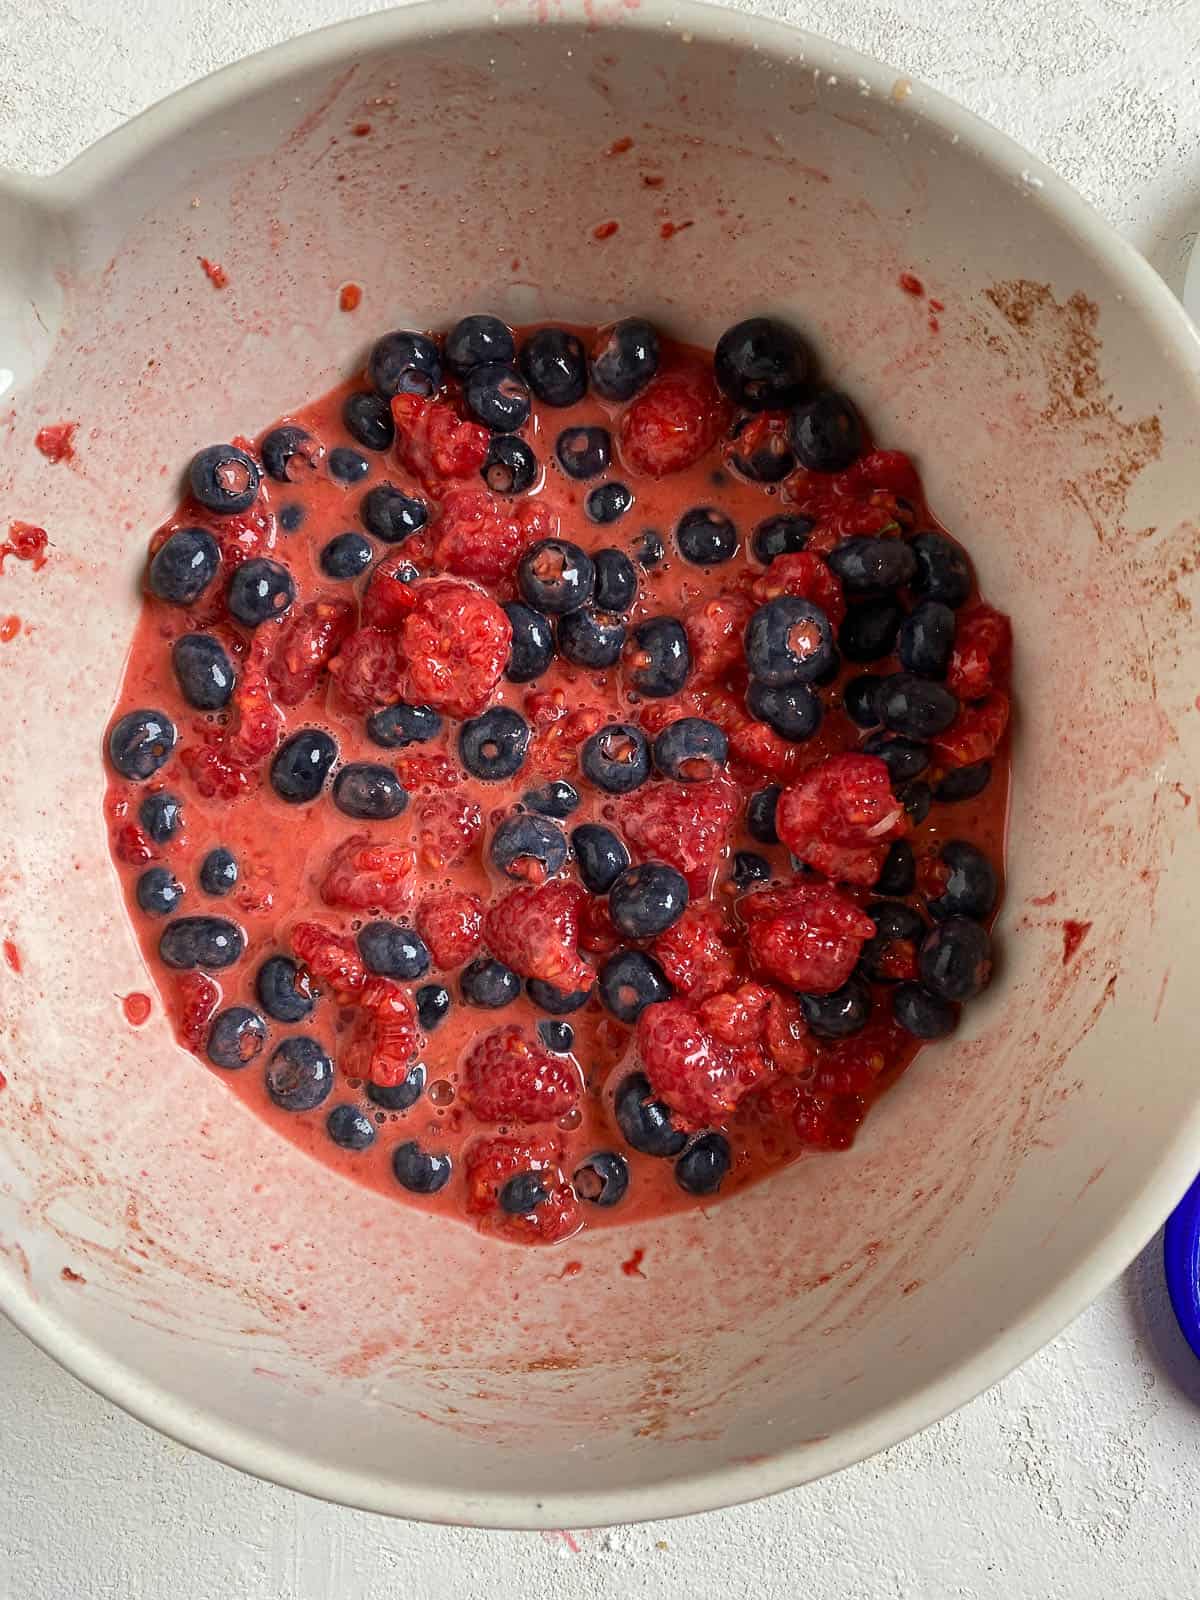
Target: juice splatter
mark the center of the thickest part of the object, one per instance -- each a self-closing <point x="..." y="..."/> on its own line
<point x="214" y="272"/>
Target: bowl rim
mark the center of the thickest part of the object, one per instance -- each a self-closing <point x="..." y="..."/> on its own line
<point x="709" y="1490"/>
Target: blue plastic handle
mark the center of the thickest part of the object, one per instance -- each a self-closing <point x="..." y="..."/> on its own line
<point x="1181" y="1259"/>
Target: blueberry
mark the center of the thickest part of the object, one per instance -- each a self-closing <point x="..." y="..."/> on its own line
<point x="630" y="982"/>
<point x="558" y="1002"/>
<point x="649" y="550"/>
<point x="235" y="1037"/>
<point x="420" y="1171"/>
<point x="904" y="758"/>
<point x="922" y="1014"/>
<point x="608" y="502"/>
<point x="289" y="453"/>
<point x="511" y="466"/>
<point x="868" y="565"/>
<point x="964" y="783"/>
<point x="218" y="871"/>
<point x="140" y="742"/>
<point x="616" y="581"/>
<point x="529" y="847"/>
<point x="761" y="364"/>
<point x="203" y="671"/>
<point x="350" y="1128"/>
<point x="645" y="1122"/>
<point x="624" y="359"/>
<point x="583" y="452"/>
<point x="647" y="900"/>
<point x="159" y="892"/>
<point x="399" y="1096"/>
<point x="943" y="570"/>
<point x="766" y="460"/>
<point x="779" y="536"/>
<point x="405" y="363"/>
<point x="703" y="1166"/>
<point x="599" y="855"/>
<point x="284" y="989"/>
<point x="184" y="566"/>
<point x="589" y="639"/>
<point x="259" y="590"/>
<point x="401" y="724"/>
<point x="706" y="537"/>
<point x="899" y="872"/>
<point x="391" y="950"/>
<point x="347" y="466"/>
<point x="532" y="648"/>
<point x="558" y="798"/>
<point x="750" y="868"/>
<point x="496" y="395"/>
<point x="659" y="658"/>
<point x="433" y="1005"/>
<point x="493" y="746"/>
<point x="523" y="1193"/>
<point x="837" y="1015"/>
<point x="300" y="1074"/>
<point x="291" y="516"/>
<point x="555" y="366"/>
<point x="392" y="515"/>
<point x="602" y="1179"/>
<point x="369" y="792"/>
<point x="955" y="961"/>
<point x="489" y="983"/>
<point x="556" y="576"/>
<point x="899" y="930"/>
<point x="825" y="433"/>
<point x="691" y="750"/>
<point x="616" y="759"/>
<point x="860" y="698"/>
<point x="348" y="555"/>
<point x="915" y="707"/>
<point x="209" y="942"/>
<point x="926" y="639"/>
<point x="224" y="479"/>
<point x="916" y="798"/>
<point x="368" y="419"/>
<point x="793" y="712"/>
<point x="868" y="632"/>
<point x="971" y="888"/>
<point x="760" y="814"/>
<point x="160" y="815"/>
<point x="789" y="640"/>
<point x="302" y="764"/>
<point x="558" y="1037"/>
<point x="476" y="341"/>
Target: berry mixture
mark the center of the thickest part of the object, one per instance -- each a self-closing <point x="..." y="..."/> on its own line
<point x="561" y="775"/>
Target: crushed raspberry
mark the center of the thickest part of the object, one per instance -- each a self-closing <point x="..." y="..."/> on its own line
<point x="785" y="1037"/>
<point x="26" y="543"/>
<point x="196" y="999"/>
<point x="387" y="599"/>
<point x="56" y="441"/>
<point x="807" y="935"/>
<point x="304" y="644"/>
<point x="695" y="954"/>
<point x="828" y="1121"/>
<point x="888" y="470"/>
<point x="362" y="875"/>
<point x="757" y="745"/>
<point x="490" y="1163"/>
<point x="737" y="1016"/>
<point x="385" y="1036"/>
<point x="476" y="537"/>
<point x="256" y="723"/>
<point x="454" y="645"/>
<point x="132" y="846"/>
<point x="853" y="1066"/>
<point x="435" y="444"/>
<point x="684" y="824"/>
<point x="535" y="931"/>
<point x="982" y="653"/>
<point x="214" y="775"/>
<point x="244" y="536"/>
<point x="369" y="669"/>
<point x="673" y="422"/>
<point x="839" y="816"/>
<point x="448" y="826"/>
<point x="715" y="630"/>
<point x="975" y="733"/>
<point x="332" y="958"/>
<point x="803" y="574"/>
<point x="427" y="769"/>
<point x="554" y="752"/>
<point x="451" y="923"/>
<point x="697" y="1075"/>
<point x="597" y="934"/>
<point x="508" y="1077"/>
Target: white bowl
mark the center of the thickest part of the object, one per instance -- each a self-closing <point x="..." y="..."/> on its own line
<point x="251" y="1303"/>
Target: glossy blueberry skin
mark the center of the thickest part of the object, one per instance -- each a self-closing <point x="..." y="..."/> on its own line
<point x="558" y="1002"/>
<point x="347" y="555"/>
<point x="160" y="815"/>
<point x="529" y="848"/>
<point x="789" y="640"/>
<point x="556" y="576"/>
<point x="971" y="889"/>
<point x="769" y="462"/>
<point x="555" y="366"/>
<point x="899" y="872"/>
<point x="645" y="1123"/>
<point x="397" y="726"/>
<point x="259" y="590"/>
<point x="917" y="799"/>
<point x="838" y="1015"/>
<point x="943" y="570"/>
<point x="600" y="856"/>
<point x="218" y="872"/>
<point x="602" y="1179"/>
<point x="489" y="983"/>
<point x="291" y="517"/>
<point x="158" y="892"/>
<point x="860" y="697"/>
<point x="184" y="566"/>
<point x="647" y="900"/>
<point x="558" y="1037"/>
<point x="624" y="359"/>
<point x="779" y="536"/>
<point x="649" y="550"/>
<point x="629" y="982"/>
<point x="706" y="537"/>
<point x="523" y="1193"/>
<point x="760" y="814"/>
<point x="284" y="990"/>
<point x="868" y="631"/>
<point x="140" y="742"/>
<point x="926" y="639"/>
<point x="493" y="746"/>
<point x="583" y="452"/>
<point x="350" y="1128"/>
<point x="404" y="362"/>
<point x="895" y="923"/>
<point x="224" y="479"/>
<point x="955" y="960"/>
<point x="704" y="1165"/>
<point x="289" y="453"/>
<point x="301" y="765"/>
<point x="691" y="750"/>
<point x="369" y="791"/>
<point x="391" y="950"/>
<point x="496" y="395"/>
<point x="300" y="1074"/>
<point x="793" y="712"/>
<point x="391" y="515"/>
<point x="399" y="1096"/>
<point x="826" y="433"/>
<point x="477" y="340"/>
<point x="915" y="707"/>
<point x="964" y="783"/>
<point x="347" y="466"/>
<point x="749" y="868"/>
<point x="660" y="658"/>
<point x="904" y="758"/>
<point x="420" y="1171"/>
<point x="235" y="1037"/>
<point x="368" y="419"/>
<point x="762" y="364"/>
<point x="616" y="581"/>
<point x="922" y="1014"/>
<point x="532" y="648"/>
<point x="511" y="466"/>
<point x="212" y="943"/>
<point x="616" y="758"/>
<point x="433" y="1005"/>
<point x="868" y="565"/>
<point x="608" y="502"/>
<point x="558" y="798"/>
<point x="590" y="639"/>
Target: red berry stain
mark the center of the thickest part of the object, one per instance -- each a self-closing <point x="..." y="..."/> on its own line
<point x="360" y="130"/>
<point x="633" y="1267"/>
<point x="10" y="627"/>
<point x="1074" y="933"/>
<point x="572" y="1269"/>
<point x="350" y="297"/>
<point x="1045" y="899"/>
<point x="3" y="1081"/>
<point x="670" y="229"/>
<point x="619" y="146"/>
<point x="911" y="284"/>
<point x="27" y="543"/>
<point x="12" y="956"/>
<point x="934" y="325"/>
<point x="605" y="230"/>
<point x="653" y="180"/>
<point x="56" y="441"/>
<point x="214" y="272"/>
<point x="136" y="1007"/>
<point x="68" y="1275"/>
<point x="936" y="305"/>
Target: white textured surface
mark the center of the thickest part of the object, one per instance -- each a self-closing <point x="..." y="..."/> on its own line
<point x="1081" y="1473"/>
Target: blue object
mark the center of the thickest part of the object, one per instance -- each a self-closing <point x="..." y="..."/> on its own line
<point x="1181" y="1259"/>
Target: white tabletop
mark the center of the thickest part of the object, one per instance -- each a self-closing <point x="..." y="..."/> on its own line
<point x="1077" y="1476"/>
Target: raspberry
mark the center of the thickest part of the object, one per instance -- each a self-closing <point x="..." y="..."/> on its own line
<point x="785" y="1036"/>
<point x="888" y="470"/>
<point x="803" y="574"/>
<point x="508" y="1077"/>
<point x="451" y="923"/>
<point x="447" y="827"/>
<point x="684" y="824"/>
<point x="697" y="1075"/>
<point x="304" y="644"/>
<point x="695" y="953"/>
<point x="757" y="745"/>
<point x="490" y="1163"/>
<point x="839" y="816"/>
<point x="737" y="1017"/>
<point x="807" y="936"/>
<point x="597" y="935"/>
<point x="252" y="533"/>
<point x="386" y="1035"/>
<point x="255" y="722"/>
<point x="132" y="846"/>
<point x="387" y="599"/>
<point x="212" y="773"/>
<point x="535" y="931"/>
<point x="454" y="645"/>
<point x="476" y="538"/>
<point x="974" y="734"/>
<point x="366" y="876"/>
<point x="427" y="769"/>
<point x="434" y="443"/>
<point x="369" y="669"/>
<point x="332" y="958"/>
<point x="196" y="998"/>
<point x="714" y="629"/>
<point x="829" y="1122"/>
<point x="982" y="653"/>
<point x="854" y="1065"/>
<point x="554" y="752"/>
<point x="673" y="422"/>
